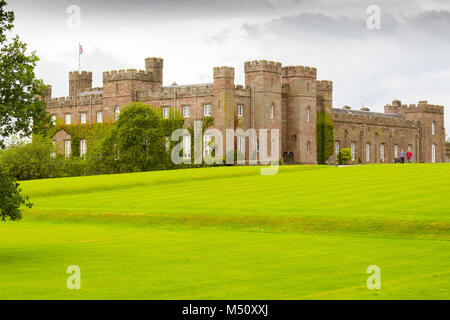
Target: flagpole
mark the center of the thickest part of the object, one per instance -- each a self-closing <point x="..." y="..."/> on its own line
<point x="79" y="57"/>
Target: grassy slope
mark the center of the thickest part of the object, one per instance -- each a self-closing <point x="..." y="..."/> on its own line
<point x="308" y="232"/>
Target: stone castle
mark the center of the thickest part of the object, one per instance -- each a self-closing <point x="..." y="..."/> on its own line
<point x="274" y="97"/>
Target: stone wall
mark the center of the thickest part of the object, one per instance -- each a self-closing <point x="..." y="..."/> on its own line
<point x="447" y="152"/>
<point x="377" y="130"/>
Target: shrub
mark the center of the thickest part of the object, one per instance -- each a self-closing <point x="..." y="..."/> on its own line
<point x="345" y="155"/>
<point x="26" y="161"/>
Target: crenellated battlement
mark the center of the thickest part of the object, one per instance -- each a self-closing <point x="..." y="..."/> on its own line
<point x="154" y="62"/>
<point x="421" y="107"/>
<point x="223" y="72"/>
<point x="62" y="102"/>
<point x="262" y="65"/>
<point x="324" y="85"/>
<point x="241" y="91"/>
<point x="299" y="71"/>
<point x="162" y="93"/>
<point x="83" y="75"/>
<point x="129" y="74"/>
<point x="94" y="90"/>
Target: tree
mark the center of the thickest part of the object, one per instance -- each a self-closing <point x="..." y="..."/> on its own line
<point x="136" y="142"/>
<point x="21" y="109"/>
<point x="10" y="198"/>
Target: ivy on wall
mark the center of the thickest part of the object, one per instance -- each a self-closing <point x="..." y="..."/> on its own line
<point x="325" y="137"/>
<point x="90" y="131"/>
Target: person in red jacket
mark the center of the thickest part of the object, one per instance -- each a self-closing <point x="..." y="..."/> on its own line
<point x="409" y="156"/>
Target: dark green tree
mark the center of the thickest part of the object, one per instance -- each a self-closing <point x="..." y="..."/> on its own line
<point x="137" y="141"/>
<point x="11" y="199"/>
<point x="21" y="109"/>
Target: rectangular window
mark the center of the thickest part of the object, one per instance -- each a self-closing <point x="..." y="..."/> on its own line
<point x="433" y="128"/>
<point x="336" y="149"/>
<point x="308" y="114"/>
<point x="207" y="110"/>
<point x="187" y="147"/>
<point x="167" y="143"/>
<point x="83" y="149"/>
<point x="240" y="144"/>
<point x="67" y="148"/>
<point x="186" y="112"/>
<point x="240" y="111"/>
<point x="206" y="145"/>
<point x="433" y="154"/>
<point x="165" y="112"/>
<point x="353" y="151"/>
<point x="382" y="149"/>
<point x="83" y="118"/>
<point x="410" y="148"/>
<point x="396" y="151"/>
<point x="53" y="120"/>
<point x="367" y="151"/>
<point x="68" y="119"/>
<point x="99" y="117"/>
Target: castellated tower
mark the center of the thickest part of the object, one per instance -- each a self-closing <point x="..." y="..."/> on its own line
<point x="223" y="98"/>
<point x="79" y="82"/>
<point x="264" y="79"/>
<point x="301" y="101"/>
<point x="325" y="97"/>
<point x="431" y="134"/>
<point x="48" y="92"/>
<point x="121" y="87"/>
<point x="155" y="66"/>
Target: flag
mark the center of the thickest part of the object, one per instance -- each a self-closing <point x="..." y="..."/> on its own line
<point x="81" y="48"/>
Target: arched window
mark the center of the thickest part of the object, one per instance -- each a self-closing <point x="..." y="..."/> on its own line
<point x="308" y="114"/>
<point x="271" y="111"/>
<point x="433" y="128"/>
<point x="117" y="112"/>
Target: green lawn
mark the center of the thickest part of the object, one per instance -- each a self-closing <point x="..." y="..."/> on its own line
<point x="309" y="232"/>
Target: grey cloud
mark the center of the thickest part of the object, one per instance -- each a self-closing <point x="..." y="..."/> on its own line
<point x="434" y="23"/>
<point x="137" y="9"/>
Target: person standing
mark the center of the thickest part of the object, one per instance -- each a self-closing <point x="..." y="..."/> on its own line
<point x="409" y="156"/>
<point x="402" y="156"/>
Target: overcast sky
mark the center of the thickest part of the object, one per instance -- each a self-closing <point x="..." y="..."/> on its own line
<point x="407" y="59"/>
